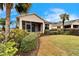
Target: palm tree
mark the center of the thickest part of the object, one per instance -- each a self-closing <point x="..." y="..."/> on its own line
<point x="20" y="8"/>
<point x="2" y="22"/>
<point x="63" y="18"/>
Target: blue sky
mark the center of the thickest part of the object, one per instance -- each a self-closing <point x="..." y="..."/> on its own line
<point x="48" y="11"/>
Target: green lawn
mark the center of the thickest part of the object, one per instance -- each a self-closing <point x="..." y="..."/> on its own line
<point x="59" y="45"/>
<point x="67" y="43"/>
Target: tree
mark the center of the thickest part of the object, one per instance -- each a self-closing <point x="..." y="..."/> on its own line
<point x="2" y="22"/>
<point x="63" y="18"/>
<point x="20" y="8"/>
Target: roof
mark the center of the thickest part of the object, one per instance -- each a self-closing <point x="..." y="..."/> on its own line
<point x="66" y="23"/>
<point x="35" y="15"/>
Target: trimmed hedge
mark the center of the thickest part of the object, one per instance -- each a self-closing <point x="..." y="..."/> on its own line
<point x="65" y="32"/>
<point x="51" y="32"/>
<point x="29" y="42"/>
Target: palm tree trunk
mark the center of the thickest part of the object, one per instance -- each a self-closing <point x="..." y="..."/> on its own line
<point x="7" y="28"/>
<point x="63" y="24"/>
<point x="3" y="28"/>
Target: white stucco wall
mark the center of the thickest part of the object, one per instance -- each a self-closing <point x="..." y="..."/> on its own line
<point x="50" y="26"/>
<point x="31" y="18"/>
<point x="75" y="23"/>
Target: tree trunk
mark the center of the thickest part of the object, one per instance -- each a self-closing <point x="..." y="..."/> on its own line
<point x="7" y="27"/>
<point x="3" y="28"/>
<point x="63" y="24"/>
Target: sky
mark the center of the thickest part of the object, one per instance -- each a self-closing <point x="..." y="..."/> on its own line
<point x="47" y="11"/>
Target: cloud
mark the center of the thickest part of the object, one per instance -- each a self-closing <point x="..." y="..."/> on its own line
<point x="73" y="17"/>
<point x="58" y="10"/>
<point x="53" y="15"/>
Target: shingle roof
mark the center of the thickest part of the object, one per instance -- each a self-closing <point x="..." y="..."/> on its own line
<point x="66" y="23"/>
<point x="35" y="15"/>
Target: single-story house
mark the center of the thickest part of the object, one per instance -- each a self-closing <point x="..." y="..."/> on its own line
<point x="32" y="23"/>
<point x="73" y="24"/>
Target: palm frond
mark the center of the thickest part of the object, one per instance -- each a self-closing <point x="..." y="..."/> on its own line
<point x="64" y="16"/>
<point x="2" y="21"/>
<point x="22" y="7"/>
<point x="1" y="6"/>
<point x="67" y="17"/>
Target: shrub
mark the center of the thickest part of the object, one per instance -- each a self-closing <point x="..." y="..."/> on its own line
<point x="18" y="35"/>
<point x="8" y="49"/>
<point x="67" y="33"/>
<point x="50" y="32"/>
<point x="29" y="42"/>
<point x="60" y="31"/>
<point x="1" y="37"/>
<point x="57" y="32"/>
<point x="74" y="31"/>
<point x="46" y="32"/>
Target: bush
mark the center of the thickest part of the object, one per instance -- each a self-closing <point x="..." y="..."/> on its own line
<point x="23" y="41"/>
<point x="66" y="33"/>
<point x="61" y="32"/>
<point x="2" y="37"/>
<point x="29" y="42"/>
<point x="51" y="32"/>
<point x="18" y="35"/>
<point x="8" y="49"/>
<point x="57" y="32"/>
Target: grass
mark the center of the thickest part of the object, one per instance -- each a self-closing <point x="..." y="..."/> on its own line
<point x="59" y="45"/>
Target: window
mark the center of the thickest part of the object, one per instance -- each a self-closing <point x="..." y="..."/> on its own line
<point x="28" y="27"/>
<point x="23" y="25"/>
<point x="58" y="26"/>
<point x="67" y="26"/>
<point x="75" y="26"/>
<point x="46" y="26"/>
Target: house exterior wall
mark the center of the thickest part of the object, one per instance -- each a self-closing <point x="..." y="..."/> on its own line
<point x="43" y="27"/>
<point x="31" y="18"/>
<point x="20" y="26"/>
<point x="17" y="23"/>
<point x="50" y="26"/>
<point x="75" y="23"/>
<point x="72" y="24"/>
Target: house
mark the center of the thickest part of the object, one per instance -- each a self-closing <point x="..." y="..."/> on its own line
<point x="32" y="23"/>
<point x="73" y="24"/>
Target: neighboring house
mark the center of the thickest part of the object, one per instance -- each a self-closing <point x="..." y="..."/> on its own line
<point x="73" y="24"/>
<point x="32" y="23"/>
